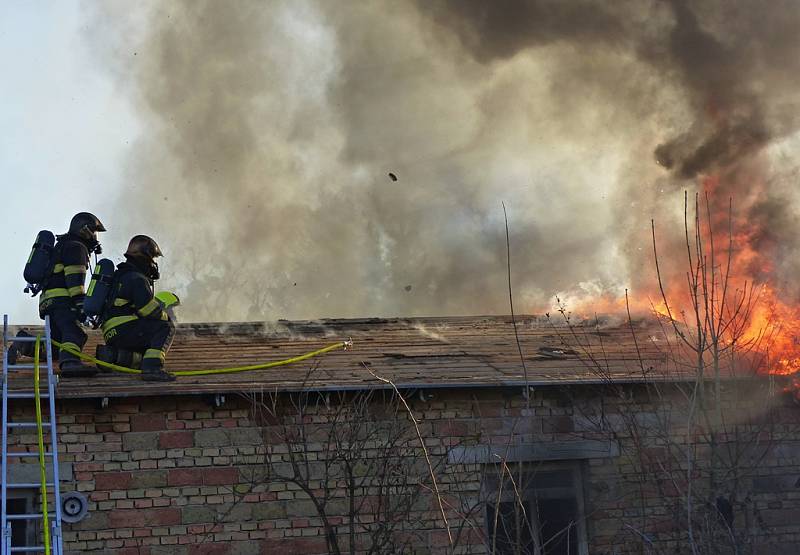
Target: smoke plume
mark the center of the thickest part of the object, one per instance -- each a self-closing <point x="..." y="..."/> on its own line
<point x="270" y="130"/>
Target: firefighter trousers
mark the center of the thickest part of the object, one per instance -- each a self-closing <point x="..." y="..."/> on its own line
<point x="151" y="337"/>
<point x="64" y="328"/>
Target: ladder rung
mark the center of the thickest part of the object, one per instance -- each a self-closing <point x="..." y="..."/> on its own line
<point x="22" y="454"/>
<point x="32" y="549"/>
<point x="25" y="366"/>
<point x="34" y="516"/>
<point x="26" y="424"/>
<point x="20" y="395"/>
<point x="27" y="485"/>
<point x="25" y="339"/>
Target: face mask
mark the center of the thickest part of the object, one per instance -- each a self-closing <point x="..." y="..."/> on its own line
<point x="153" y="271"/>
<point x="94" y="246"/>
<point x="90" y="238"/>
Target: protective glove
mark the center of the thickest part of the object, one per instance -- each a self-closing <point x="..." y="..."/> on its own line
<point x="167" y="299"/>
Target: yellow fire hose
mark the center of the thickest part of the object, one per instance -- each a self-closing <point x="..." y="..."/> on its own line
<point x="340" y="345"/>
<point x="40" y="433"/>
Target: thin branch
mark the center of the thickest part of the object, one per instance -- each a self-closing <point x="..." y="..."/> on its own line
<point x="513" y="318"/>
<point x="422" y="444"/>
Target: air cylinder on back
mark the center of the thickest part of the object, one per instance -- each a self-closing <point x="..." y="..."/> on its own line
<point x="99" y="288"/>
<point x="40" y="262"/>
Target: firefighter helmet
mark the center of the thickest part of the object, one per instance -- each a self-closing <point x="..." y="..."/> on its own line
<point x="86" y="226"/>
<point x="142" y="246"/>
<point x="142" y="251"/>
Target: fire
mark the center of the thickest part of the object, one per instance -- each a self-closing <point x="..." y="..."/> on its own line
<point x="738" y="285"/>
<point x="774" y="330"/>
<point x="757" y="315"/>
<point x="660" y="309"/>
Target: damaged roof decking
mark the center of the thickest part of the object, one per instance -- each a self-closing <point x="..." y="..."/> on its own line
<point x="413" y="352"/>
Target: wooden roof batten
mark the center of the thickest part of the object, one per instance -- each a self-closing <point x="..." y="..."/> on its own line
<point x="435" y="352"/>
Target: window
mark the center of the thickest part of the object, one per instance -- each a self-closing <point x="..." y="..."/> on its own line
<point x="23" y="532"/>
<point x="538" y="510"/>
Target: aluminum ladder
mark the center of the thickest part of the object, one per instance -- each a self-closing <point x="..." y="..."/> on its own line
<point x="52" y="542"/>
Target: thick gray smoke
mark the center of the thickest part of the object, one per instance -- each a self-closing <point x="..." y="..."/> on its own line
<point x="270" y="130"/>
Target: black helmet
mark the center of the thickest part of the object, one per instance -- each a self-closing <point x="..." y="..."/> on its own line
<point x="142" y="250"/>
<point x="85" y="226"/>
<point x="142" y="246"/>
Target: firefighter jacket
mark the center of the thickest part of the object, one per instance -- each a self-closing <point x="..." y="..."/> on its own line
<point x="131" y="299"/>
<point x="65" y="286"/>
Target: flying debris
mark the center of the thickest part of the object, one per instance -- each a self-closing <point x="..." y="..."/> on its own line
<point x="407" y="288"/>
<point x="392" y="176"/>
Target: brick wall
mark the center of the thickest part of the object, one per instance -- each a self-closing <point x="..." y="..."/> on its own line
<point x="174" y="475"/>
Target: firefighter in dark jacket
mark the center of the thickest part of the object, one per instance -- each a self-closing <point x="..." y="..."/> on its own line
<point x="135" y="320"/>
<point x="62" y="295"/>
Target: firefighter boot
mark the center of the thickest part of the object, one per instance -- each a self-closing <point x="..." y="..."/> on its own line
<point x="153" y="371"/>
<point x="18" y="348"/>
<point x="24" y="348"/>
<point x="74" y="368"/>
<point x="107" y="354"/>
<point x="129" y="359"/>
<point x="117" y="356"/>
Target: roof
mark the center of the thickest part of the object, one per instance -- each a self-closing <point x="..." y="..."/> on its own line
<point x="411" y="352"/>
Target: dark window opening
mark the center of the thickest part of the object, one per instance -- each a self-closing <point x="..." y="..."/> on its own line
<point x="19" y="528"/>
<point x="514" y="528"/>
<point x="539" y="511"/>
<point x="557" y="522"/>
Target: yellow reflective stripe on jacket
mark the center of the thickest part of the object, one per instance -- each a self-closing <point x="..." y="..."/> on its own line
<point x="155" y="353"/>
<point x="120" y="302"/>
<point x="112" y="323"/>
<point x="149" y="308"/>
<point x="53" y="293"/>
<point x="74" y="269"/>
<point x="58" y="268"/>
<point x="77" y="290"/>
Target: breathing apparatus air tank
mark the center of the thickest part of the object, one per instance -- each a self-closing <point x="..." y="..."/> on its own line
<point x="40" y="263"/>
<point x="99" y="289"/>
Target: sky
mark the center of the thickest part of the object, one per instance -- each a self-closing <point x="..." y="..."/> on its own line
<point x="65" y="134"/>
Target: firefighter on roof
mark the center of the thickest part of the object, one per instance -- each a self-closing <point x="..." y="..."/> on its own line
<point x="62" y="291"/>
<point x="134" y="319"/>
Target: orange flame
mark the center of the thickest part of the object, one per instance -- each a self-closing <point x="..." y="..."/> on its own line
<point x="775" y="326"/>
<point x="766" y="325"/>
